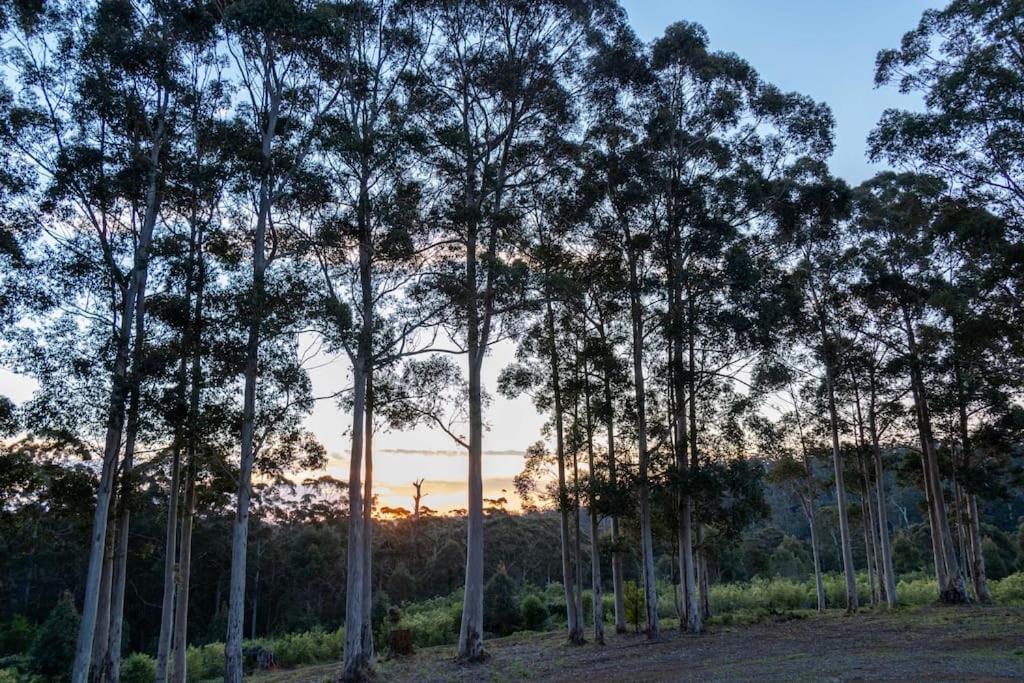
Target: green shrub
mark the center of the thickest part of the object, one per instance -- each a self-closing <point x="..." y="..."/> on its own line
<point x="996" y="566"/>
<point x="9" y="676"/>
<point x="53" y="650"/>
<point x="636" y="605"/>
<point x="138" y="668"/>
<point x="533" y="612"/>
<point x="204" y="662"/>
<point x="916" y="590"/>
<point x="312" y="647"/>
<point x="16" y="636"/>
<point x="1008" y="591"/>
<point x="501" y="611"/>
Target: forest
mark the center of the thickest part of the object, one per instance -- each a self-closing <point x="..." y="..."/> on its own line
<point x="768" y="393"/>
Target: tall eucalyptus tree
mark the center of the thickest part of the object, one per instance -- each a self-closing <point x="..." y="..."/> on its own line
<point x="499" y="78"/>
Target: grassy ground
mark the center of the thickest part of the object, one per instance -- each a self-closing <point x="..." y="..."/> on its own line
<point x="925" y="643"/>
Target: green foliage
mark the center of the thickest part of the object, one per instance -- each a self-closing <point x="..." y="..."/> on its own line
<point x="16" y="636"/>
<point x="906" y="554"/>
<point x="9" y="676"/>
<point x="501" y="611"/>
<point x="53" y="650"/>
<point x="1008" y="591"/>
<point x="205" y="662"/>
<point x="138" y="668"/>
<point x="533" y="613"/>
<point x="790" y="560"/>
<point x="401" y="584"/>
<point x="995" y="566"/>
<point x="312" y="647"/>
<point x="636" y="604"/>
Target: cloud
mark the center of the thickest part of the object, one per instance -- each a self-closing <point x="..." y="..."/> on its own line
<point x="443" y="487"/>
<point x="448" y="452"/>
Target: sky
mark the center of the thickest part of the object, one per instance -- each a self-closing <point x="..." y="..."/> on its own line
<point x="822" y="48"/>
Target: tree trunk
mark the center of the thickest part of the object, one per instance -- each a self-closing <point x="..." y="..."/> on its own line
<point x="812" y="523"/>
<point x="180" y="641"/>
<point x="646" y="539"/>
<point x="702" y="574"/>
<point x="116" y="414"/>
<point x="849" y="571"/>
<point x="179" y="670"/>
<point x="577" y="530"/>
<point x="367" y="626"/>
<point x="595" y="553"/>
<point x="617" y="580"/>
<point x="101" y="639"/>
<point x="353" y="652"/>
<point x="170" y="566"/>
<point x="240" y="529"/>
<point x="110" y="667"/>
<point x="471" y="631"/>
<point x="885" y="545"/>
<point x="977" y="558"/>
<point x="573" y="622"/>
<point x="687" y="561"/>
<point x="808" y="505"/>
<point x="952" y="589"/>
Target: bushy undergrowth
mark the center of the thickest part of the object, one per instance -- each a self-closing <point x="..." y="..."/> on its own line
<point x="436" y="621"/>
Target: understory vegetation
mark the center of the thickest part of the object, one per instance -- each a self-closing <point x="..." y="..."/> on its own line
<point x="435" y="622"/>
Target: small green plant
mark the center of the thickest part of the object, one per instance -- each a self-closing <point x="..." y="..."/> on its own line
<point x="53" y="650"/>
<point x="138" y="668"/>
<point x="16" y="636"/>
<point x="533" y="612"/>
<point x="501" y="612"/>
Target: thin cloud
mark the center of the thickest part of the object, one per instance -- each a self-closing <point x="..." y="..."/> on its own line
<point x="442" y="487"/>
<point x="447" y="452"/>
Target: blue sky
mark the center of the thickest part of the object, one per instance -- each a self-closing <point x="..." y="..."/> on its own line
<point x="822" y="48"/>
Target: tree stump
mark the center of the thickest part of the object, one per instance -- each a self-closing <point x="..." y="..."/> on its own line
<point x="401" y="641"/>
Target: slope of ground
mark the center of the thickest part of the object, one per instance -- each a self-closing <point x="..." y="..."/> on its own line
<point x="933" y="644"/>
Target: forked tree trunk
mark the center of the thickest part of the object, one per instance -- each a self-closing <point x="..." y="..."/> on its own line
<point x="240" y="529"/>
<point x="116" y="413"/>
<point x="973" y="530"/>
<point x="110" y="666"/>
<point x="952" y="588"/>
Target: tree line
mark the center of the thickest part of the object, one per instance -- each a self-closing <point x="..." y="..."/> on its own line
<point x="198" y="199"/>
